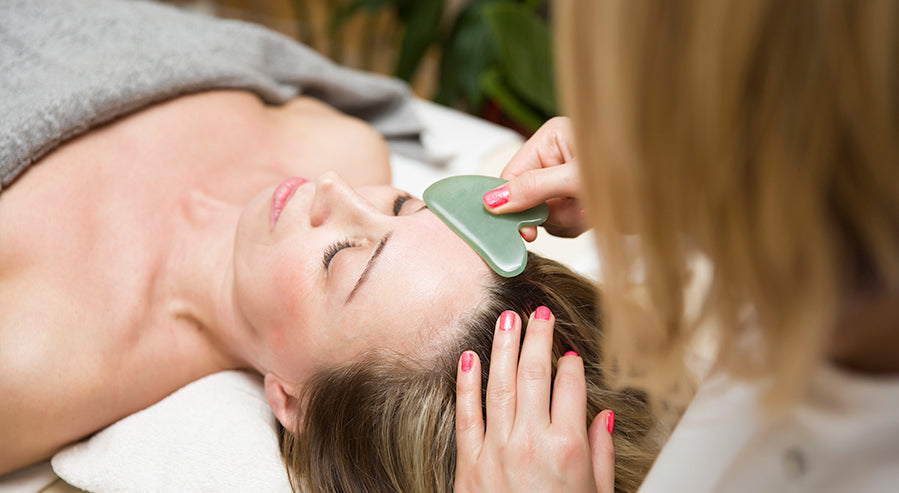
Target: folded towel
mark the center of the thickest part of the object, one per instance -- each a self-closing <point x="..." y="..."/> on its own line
<point x="67" y="66"/>
<point x="215" y="434"/>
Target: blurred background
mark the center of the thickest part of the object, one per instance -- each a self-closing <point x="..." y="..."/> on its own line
<point x="489" y="58"/>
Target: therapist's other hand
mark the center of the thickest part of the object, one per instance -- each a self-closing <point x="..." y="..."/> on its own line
<point x="529" y="445"/>
<point x="543" y="170"/>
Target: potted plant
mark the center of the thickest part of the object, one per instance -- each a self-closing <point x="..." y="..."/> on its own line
<point x="495" y="55"/>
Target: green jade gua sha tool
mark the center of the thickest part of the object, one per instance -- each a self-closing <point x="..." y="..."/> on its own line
<point x="457" y="201"/>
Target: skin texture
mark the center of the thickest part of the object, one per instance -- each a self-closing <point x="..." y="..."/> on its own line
<point x="138" y="258"/>
<point x="534" y="439"/>
<point x="297" y="306"/>
<point x="544" y="170"/>
<point x="532" y="442"/>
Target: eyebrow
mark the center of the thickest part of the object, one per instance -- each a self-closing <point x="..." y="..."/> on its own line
<point x="371" y="261"/>
<point x="368" y="266"/>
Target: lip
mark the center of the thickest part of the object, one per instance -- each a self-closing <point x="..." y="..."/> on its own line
<point x="282" y="194"/>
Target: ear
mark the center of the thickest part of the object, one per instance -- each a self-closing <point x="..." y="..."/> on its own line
<point x="281" y="399"/>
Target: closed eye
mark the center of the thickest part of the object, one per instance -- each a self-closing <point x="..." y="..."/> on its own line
<point x="334" y="249"/>
<point x="398" y="203"/>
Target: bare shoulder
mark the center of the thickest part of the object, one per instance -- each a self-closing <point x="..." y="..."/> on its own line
<point x="36" y="408"/>
<point x="327" y="140"/>
<point x="234" y="134"/>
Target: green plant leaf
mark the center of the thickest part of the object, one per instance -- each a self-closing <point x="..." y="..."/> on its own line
<point x="421" y="19"/>
<point x="525" y="53"/>
<point x="467" y="51"/>
<point x="496" y="88"/>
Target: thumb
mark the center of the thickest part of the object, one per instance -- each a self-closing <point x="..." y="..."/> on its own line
<point x="602" y="451"/>
<point x="532" y="188"/>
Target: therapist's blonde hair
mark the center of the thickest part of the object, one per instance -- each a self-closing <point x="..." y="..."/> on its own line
<point x="761" y="134"/>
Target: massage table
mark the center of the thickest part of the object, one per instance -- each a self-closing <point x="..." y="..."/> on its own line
<point x="217" y="434"/>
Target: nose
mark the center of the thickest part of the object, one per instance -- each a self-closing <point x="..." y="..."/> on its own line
<point x="336" y="201"/>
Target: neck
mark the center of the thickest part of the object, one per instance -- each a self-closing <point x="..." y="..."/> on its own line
<point x="199" y="275"/>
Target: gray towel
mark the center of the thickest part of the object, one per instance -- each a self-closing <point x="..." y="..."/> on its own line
<point x="67" y="66"/>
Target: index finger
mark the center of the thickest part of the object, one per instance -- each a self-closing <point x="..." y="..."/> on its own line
<point x="534" y="187"/>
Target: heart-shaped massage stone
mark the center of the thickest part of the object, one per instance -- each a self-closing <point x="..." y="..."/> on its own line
<point x="457" y="201"/>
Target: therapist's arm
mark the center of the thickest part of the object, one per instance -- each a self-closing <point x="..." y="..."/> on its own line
<point x="543" y="170"/>
<point x="532" y="441"/>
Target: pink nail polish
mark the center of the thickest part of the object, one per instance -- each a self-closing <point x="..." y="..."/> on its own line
<point x="466" y="361"/>
<point x="542" y="313"/>
<point x="610" y="421"/>
<point x="571" y="353"/>
<point x="507" y="320"/>
<point x="496" y="198"/>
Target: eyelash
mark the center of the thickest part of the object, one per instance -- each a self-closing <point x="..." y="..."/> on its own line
<point x="332" y="250"/>
<point x="398" y="203"/>
<point x="336" y="247"/>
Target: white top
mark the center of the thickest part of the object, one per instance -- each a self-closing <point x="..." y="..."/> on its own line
<point x="843" y="438"/>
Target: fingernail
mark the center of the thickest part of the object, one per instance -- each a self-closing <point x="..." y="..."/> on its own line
<point x="466" y="361"/>
<point x="542" y="313"/>
<point x="521" y="233"/>
<point x="507" y="321"/>
<point x="610" y="421"/>
<point x="496" y="198"/>
<point x="571" y="353"/>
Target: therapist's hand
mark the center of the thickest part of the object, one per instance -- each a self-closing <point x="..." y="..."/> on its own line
<point x="543" y="170"/>
<point x="529" y="445"/>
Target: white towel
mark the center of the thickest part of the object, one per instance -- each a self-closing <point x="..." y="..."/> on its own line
<point x="216" y="434"/>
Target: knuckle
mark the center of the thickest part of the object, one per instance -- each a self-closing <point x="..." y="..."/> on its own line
<point x="560" y="136"/>
<point x="527" y="185"/>
<point x="501" y="394"/>
<point x="558" y="123"/>
<point x="568" y="446"/>
<point x="531" y="371"/>
<point x="521" y="449"/>
<point x="569" y="380"/>
<point x="571" y="179"/>
<point x="465" y="423"/>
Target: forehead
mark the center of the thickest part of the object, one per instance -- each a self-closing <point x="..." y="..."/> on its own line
<point x="426" y="279"/>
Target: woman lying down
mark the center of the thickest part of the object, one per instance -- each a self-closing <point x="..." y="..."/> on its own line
<point x="178" y="241"/>
<point x="151" y="252"/>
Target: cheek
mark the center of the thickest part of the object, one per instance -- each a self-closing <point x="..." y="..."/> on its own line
<point x="295" y="306"/>
<point x="280" y="288"/>
<point x="290" y="309"/>
<point x="290" y="287"/>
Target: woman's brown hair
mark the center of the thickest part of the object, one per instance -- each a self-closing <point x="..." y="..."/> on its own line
<point x="390" y="426"/>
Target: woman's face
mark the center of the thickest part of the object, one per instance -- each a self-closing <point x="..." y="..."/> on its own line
<point x="324" y="272"/>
